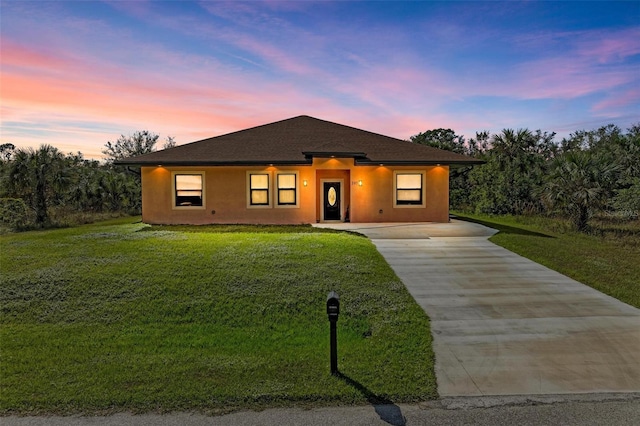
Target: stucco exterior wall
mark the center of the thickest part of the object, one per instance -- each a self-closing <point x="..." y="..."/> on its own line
<point x="374" y="200"/>
<point x="225" y="194"/>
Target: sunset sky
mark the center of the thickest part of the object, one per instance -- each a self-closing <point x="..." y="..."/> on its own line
<point x="78" y="74"/>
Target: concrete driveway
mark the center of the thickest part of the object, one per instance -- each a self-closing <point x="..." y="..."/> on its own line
<point x="504" y="325"/>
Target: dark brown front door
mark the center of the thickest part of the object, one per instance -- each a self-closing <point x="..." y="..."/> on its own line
<point x="331" y="201"/>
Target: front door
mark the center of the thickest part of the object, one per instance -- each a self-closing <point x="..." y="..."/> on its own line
<point x="331" y="191"/>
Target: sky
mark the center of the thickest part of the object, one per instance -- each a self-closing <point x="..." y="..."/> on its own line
<point x="78" y="74"/>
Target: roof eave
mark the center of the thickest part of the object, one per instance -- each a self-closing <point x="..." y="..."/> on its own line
<point x="214" y="163"/>
<point x="368" y="162"/>
<point x="309" y="161"/>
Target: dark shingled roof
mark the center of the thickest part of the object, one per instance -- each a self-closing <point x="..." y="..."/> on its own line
<point x="296" y="141"/>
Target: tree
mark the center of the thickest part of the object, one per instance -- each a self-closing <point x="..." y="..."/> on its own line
<point x="141" y="142"/>
<point x="169" y="143"/>
<point x="578" y="184"/>
<point x="39" y="177"/>
<point x="515" y="167"/>
<point x="442" y="139"/>
<point x="6" y="151"/>
<point x="610" y="145"/>
<point x="627" y="198"/>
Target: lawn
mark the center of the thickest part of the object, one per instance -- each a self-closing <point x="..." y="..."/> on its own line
<point x="122" y="316"/>
<point x="607" y="258"/>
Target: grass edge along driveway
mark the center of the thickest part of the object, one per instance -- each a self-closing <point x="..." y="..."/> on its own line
<point x="121" y="316"/>
<point x="607" y="259"/>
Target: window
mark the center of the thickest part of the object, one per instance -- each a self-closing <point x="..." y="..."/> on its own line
<point x="408" y="189"/>
<point x="259" y="189"/>
<point x="188" y="190"/>
<point x="286" y="183"/>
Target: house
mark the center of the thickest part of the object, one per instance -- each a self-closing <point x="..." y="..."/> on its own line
<point x="299" y="170"/>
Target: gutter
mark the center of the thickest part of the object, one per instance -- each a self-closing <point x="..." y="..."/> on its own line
<point x="306" y="162"/>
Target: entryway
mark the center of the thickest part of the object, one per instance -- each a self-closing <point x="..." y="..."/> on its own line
<point x="332" y="200"/>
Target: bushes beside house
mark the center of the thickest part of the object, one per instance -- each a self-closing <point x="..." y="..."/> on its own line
<point x="526" y="172"/>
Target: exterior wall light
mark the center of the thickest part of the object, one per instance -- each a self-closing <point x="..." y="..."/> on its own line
<point x="304" y="182"/>
<point x="360" y="182"/>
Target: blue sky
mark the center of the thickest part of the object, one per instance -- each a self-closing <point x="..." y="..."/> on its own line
<point x="77" y="74"/>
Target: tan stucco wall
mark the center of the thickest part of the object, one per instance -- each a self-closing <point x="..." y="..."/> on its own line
<point x="226" y="195"/>
<point x="374" y="200"/>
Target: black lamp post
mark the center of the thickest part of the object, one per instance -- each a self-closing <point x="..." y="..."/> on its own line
<point x="333" y="310"/>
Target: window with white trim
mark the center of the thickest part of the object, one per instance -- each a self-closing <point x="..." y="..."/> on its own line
<point x="259" y="189"/>
<point x="188" y="190"/>
<point x="286" y="184"/>
<point x="409" y="189"/>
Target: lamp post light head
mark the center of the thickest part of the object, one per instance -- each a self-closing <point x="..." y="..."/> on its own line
<point x="333" y="306"/>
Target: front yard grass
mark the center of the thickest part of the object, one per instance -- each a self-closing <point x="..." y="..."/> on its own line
<point x="121" y="316"/>
<point x="607" y="258"/>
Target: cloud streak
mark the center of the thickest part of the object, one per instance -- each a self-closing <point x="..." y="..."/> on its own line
<point x="213" y="68"/>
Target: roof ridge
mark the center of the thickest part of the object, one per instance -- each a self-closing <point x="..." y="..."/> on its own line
<point x="295" y="140"/>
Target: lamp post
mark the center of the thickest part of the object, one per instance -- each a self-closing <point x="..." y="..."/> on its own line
<point x="333" y="310"/>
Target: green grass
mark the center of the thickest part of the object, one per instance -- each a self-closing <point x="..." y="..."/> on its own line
<point x="607" y="258"/>
<point x="121" y="316"/>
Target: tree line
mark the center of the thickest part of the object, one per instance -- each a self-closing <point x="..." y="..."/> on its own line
<point x="528" y="172"/>
<point x="525" y="172"/>
<point x="39" y="187"/>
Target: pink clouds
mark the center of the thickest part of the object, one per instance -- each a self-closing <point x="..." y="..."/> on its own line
<point x="277" y="58"/>
<point x="612" y="105"/>
<point x="178" y="94"/>
<point x="45" y="86"/>
<point x="18" y="55"/>
<point x="565" y="78"/>
<point x="213" y="68"/>
<point x="609" y="47"/>
<point x="591" y="62"/>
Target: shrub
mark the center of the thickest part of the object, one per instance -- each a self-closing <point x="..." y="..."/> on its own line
<point x="14" y="213"/>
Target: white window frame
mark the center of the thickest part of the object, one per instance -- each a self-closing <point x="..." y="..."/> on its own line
<point x="422" y="174"/>
<point x="276" y="189"/>
<point x="173" y="190"/>
<point x="269" y="189"/>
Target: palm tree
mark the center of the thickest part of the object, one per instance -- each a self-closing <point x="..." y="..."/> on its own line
<point x="578" y="184"/>
<point x="39" y="177"/>
<point x="514" y="168"/>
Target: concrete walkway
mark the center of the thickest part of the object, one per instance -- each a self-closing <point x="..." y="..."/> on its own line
<point x="504" y="325"/>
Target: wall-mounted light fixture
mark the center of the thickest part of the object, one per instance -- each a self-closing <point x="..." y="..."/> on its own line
<point x="360" y="182"/>
<point x="304" y="182"/>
